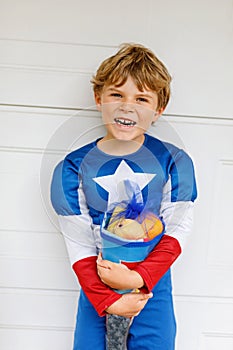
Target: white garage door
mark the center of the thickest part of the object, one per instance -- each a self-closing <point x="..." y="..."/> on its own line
<point x="49" y="51"/>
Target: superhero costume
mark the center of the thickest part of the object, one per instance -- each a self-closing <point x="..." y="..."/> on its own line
<point x="82" y="186"/>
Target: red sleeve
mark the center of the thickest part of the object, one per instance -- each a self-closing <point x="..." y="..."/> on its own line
<point x="158" y="261"/>
<point x="100" y="295"/>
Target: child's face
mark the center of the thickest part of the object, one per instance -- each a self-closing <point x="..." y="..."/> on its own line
<point x="126" y="111"/>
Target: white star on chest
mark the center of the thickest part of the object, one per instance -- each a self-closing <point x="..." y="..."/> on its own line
<point x="114" y="184"/>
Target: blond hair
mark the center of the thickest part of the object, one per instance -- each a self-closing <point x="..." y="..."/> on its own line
<point x="137" y="61"/>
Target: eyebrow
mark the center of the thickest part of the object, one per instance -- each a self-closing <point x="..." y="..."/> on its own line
<point x="145" y="95"/>
<point x="113" y="89"/>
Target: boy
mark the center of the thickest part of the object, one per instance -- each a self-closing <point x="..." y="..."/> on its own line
<point x="132" y="89"/>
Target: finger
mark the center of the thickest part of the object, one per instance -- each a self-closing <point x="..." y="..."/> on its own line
<point x="150" y="295"/>
<point x="122" y="266"/>
<point x="144" y="297"/>
<point x="99" y="258"/>
<point x="99" y="269"/>
<point x="99" y="272"/>
<point x="104" y="264"/>
<point x="102" y="271"/>
<point x="99" y="263"/>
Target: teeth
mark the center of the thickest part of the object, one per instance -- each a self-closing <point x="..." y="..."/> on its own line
<point x="125" y="122"/>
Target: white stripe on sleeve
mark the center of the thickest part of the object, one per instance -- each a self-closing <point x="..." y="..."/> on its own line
<point x="177" y="216"/>
<point x="79" y="232"/>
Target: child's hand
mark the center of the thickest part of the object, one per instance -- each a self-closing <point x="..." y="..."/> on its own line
<point x="129" y="304"/>
<point x="118" y="276"/>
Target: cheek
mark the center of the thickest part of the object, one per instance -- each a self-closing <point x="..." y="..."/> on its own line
<point x="107" y="113"/>
<point x="148" y="116"/>
<point x="109" y="110"/>
<point x="146" y="120"/>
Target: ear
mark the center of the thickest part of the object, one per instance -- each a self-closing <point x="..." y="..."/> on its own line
<point x="98" y="100"/>
<point x="157" y="114"/>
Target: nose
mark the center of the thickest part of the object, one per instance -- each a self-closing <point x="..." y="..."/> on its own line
<point x="127" y="107"/>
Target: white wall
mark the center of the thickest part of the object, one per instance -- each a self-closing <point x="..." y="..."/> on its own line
<point x="49" y="50"/>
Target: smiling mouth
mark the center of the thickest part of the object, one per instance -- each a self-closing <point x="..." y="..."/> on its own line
<point x="124" y="122"/>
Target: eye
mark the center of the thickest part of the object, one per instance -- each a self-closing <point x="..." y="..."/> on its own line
<point x="142" y="99"/>
<point x="116" y="94"/>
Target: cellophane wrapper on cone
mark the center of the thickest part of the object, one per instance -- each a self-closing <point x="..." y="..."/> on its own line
<point x="120" y="249"/>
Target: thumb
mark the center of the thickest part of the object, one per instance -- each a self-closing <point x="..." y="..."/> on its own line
<point x="146" y="296"/>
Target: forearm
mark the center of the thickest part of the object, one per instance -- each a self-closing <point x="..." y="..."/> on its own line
<point x="130" y="304"/>
<point x="144" y="274"/>
<point x="158" y="261"/>
<point x="135" y="281"/>
<point x="103" y="298"/>
<point x="118" y="276"/>
<point x="100" y="295"/>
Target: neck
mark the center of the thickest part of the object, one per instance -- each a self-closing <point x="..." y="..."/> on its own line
<point x="118" y="147"/>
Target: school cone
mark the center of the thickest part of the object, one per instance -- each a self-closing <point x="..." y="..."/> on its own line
<point x="117" y="331"/>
